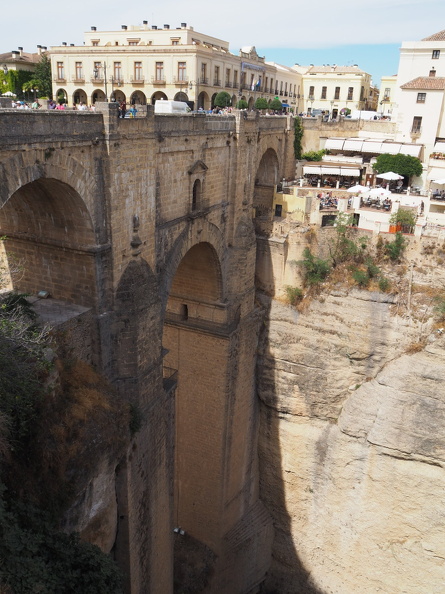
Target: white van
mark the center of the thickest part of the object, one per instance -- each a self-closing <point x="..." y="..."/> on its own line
<point x="178" y="107"/>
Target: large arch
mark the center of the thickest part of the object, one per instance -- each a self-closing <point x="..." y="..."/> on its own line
<point x="181" y="96"/>
<point x="50" y="233"/>
<point x="203" y="100"/>
<point x="118" y="96"/>
<point x="138" y="98"/>
<point x="97" y="95"/>
<point x="79" y="96"/>
<point x="157" y="96"/>
<point x="266" y="179"/>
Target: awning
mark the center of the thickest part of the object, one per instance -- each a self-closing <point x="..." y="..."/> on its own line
<point x="439" y="147"/>
<point x="285" y="104"/>
<point x="411" y="149"/>
<point x="353" y="144"/>
<point x="312" y="170"/>
<point x="350" y="172"/>
<point x="334" y="144"/>
<point x="436" y="173"/>
<point x="372" y="146"/>
<point x="392" y="148"/>
<point x="330" y="170"/>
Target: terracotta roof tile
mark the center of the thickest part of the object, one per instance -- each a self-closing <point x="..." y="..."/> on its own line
<point x="426" y="83"/>
<point x="335" y="69"/>
<point x="436" y="37"/>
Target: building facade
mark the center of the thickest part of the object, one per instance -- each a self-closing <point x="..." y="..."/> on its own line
<point x="141" y="64"/>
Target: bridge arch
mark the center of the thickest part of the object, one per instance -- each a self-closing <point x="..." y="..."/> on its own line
<point x="266" y="179"/>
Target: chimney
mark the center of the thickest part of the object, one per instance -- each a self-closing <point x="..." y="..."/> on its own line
<point x="145" y="22"/>
<point x="124" y="27"/>
<point x="183" y="25"/>
<point x="71" y="44"/>
<point x="154" y="27"/>
<point x="21" y="51"/>
<point x="64" y="43"/>
<point x="166" y="26"/>
<point x="15" y="54"/>
<point x="93" y="28"/>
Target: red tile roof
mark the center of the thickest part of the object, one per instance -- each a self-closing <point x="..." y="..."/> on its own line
<point x="426" y="83"/>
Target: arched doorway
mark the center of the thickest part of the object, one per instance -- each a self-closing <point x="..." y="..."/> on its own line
<point x="98" y="95"/>
<point x="79" y="96"/>
<point x="181" y="97"/>
<point x="158" y="95"/>
<point x="50" y="230"/>
<point x="250" y="103"/>
<point x="118" y="96"/>
<point x="203" y="101"/>
<point x="265" y="181"/>
<point x="138" y="98"/>
<point x="61" y="96"/>
<point x="212" y="103"/>
<point x="234" y="100"/>
<point x="196" y="348"/>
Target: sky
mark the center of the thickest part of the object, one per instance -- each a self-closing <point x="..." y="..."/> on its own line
<point x="360" y="32"/>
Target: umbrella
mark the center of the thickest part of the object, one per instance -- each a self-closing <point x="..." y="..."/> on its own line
<point x="439" y="182"/>
<point x="9" y="94"/>
<point x="379" y="193"/>
<point x="390" y="176"/>
<point x="358" y="189"/>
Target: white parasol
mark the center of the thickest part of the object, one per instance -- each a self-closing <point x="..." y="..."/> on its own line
<point x="390" y="176"/>
<point x="358" y="189"/>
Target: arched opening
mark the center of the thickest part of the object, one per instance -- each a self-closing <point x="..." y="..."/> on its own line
<point x="181" y="97"/>
<point x="196" y="195"/>
<point x="203" y="101"/>
<point x="212" y="104"/>
<point x="50" y="234"/>
<point x="79" y="96"/>
<point x="265" y="181"/>
<point x="234" y="100"/>
<point x="250" y="103"/>
<point x="98" y="95"/>
<point x="61" y="96"/>
<point x="118" y="96"/>
<point x="158" y="95"/>
<point x="138" y="98"/>
<point x="197" y="353"/>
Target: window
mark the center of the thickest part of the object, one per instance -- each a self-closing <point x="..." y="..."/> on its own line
<point x="196" y="197"/>
<point x="159" y="71"/>
<point x="138" y="71"/>
<point x="337" y="93"/>
<point x="175" y="42"/>
<point x="271" y="85"/>
<point x="417" y="125"/>
<point x="79" y="71"/>
<point x="217" y="80"/>
<point x="97" y="70"/>
<point x="204" y="73"/>
<point x="435" y="55"/>
<point x="117" y="71"/>
<point x="182" y="71"/>
<point x="362" y="93"/>
<point x="227" y="77"/>
<point x="350" y="93"/>
<point x="60" y="71"/>
<point x="235" y="77"/>
<point x="266" y="84"/>
<point x="433" y="72"/>
<point x="133" y="42"/>
<point x="95" y="43"/>
<point x="324" y="91"/>
<point x="311" y="92"/>
<point x="386" y="94"/>
<point x="421" y="97"/>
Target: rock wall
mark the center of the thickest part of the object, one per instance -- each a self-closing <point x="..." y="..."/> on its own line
<point x="352" y="447"/>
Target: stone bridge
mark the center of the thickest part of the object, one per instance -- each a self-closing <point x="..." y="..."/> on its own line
<point x="143" y="227"/>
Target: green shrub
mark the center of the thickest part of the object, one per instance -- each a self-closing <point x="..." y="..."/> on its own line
<point x="313" y="155"/>
<point x="242" y="104"/>
<point x="439" y="308"/>
<point x="394" y="249"/>
<point x="294" y="295"/>
<point x="261" y="103"/>
<point x="315" y="269"/>
<point x="361" y="277"/>
<point x="371" y="268"/>
<point x="384" y="284"/>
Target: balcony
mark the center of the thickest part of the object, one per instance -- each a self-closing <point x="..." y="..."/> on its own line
<point x="97" y="80"/>
<point x="60" y="80"/>
<point x="80" y="80"/>
<point x="235" y="85"/>
<point x="181" y="81"/>
<point x="137" y="79"/>
<point x="216" y="82"/>
<point x="228" y="84"/>
<point x="158" y="80"/>
<point x="416" y="131"/>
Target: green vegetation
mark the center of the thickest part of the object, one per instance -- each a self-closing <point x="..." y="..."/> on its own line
<point x="14" y="79"/>
<point x="298" y="136"/>
<point x="315" y="270"/>
<point x="345" y="246"/>
<point x="401" y="164"/>
<point x="314" y="155"/>
<point x="223" y="99"/>
<point x="294" y="295"/>
<point x="43" y="76"/>
<point x="404" y="218"/>
<point x="276" y="104"/>
<point x="261" y="103"/>
<point x="394" y="249"/>
<point x="242" y="104"/>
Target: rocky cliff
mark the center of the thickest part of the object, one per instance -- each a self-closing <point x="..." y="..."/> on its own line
<point x="352" y="446"/>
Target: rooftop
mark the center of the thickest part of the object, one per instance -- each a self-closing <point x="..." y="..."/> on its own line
<point x="426" y="83"/>
<point x="436" y="36"/>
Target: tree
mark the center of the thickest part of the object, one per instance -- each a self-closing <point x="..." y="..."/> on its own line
<point x="298" y="135"/>
<point x="401" y="164"/>
<point x="223" y="99"/>
<point x="242" y="104"/>
<point x="43" y="75"/>
<point x="404" y="218"/>
<point x="261" y="103"/>
<point x="276" y="104"/>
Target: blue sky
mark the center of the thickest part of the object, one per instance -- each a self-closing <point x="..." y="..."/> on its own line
<point x="359" y="32"/>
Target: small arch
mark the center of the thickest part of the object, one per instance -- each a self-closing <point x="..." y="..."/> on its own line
<point x="196" y="194"/>
<point x="79" y="96"/>
<point x="250" y="103"/>
<point x="138" y="98"/>
<point x="203" y="101"/>
<point x="157" y="96"/>
<point x="266" y="179"/>
<point x="234" y="100"/>
<point x="62" y="94"/>
<point x="212" y="103"/>
<point x="181" y="96"/>
<point x="97" y="95"/>
<point x="118" y="96"/>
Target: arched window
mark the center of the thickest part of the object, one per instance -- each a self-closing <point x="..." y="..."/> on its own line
<point x="196" y="198"/>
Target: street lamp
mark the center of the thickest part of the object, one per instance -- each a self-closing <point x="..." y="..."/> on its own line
<point x="96" y="76"/>
<point x="311" y="100"/>
<point x="196" y="84"/>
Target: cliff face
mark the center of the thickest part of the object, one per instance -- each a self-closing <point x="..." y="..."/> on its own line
<point x="352" y="447"/>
